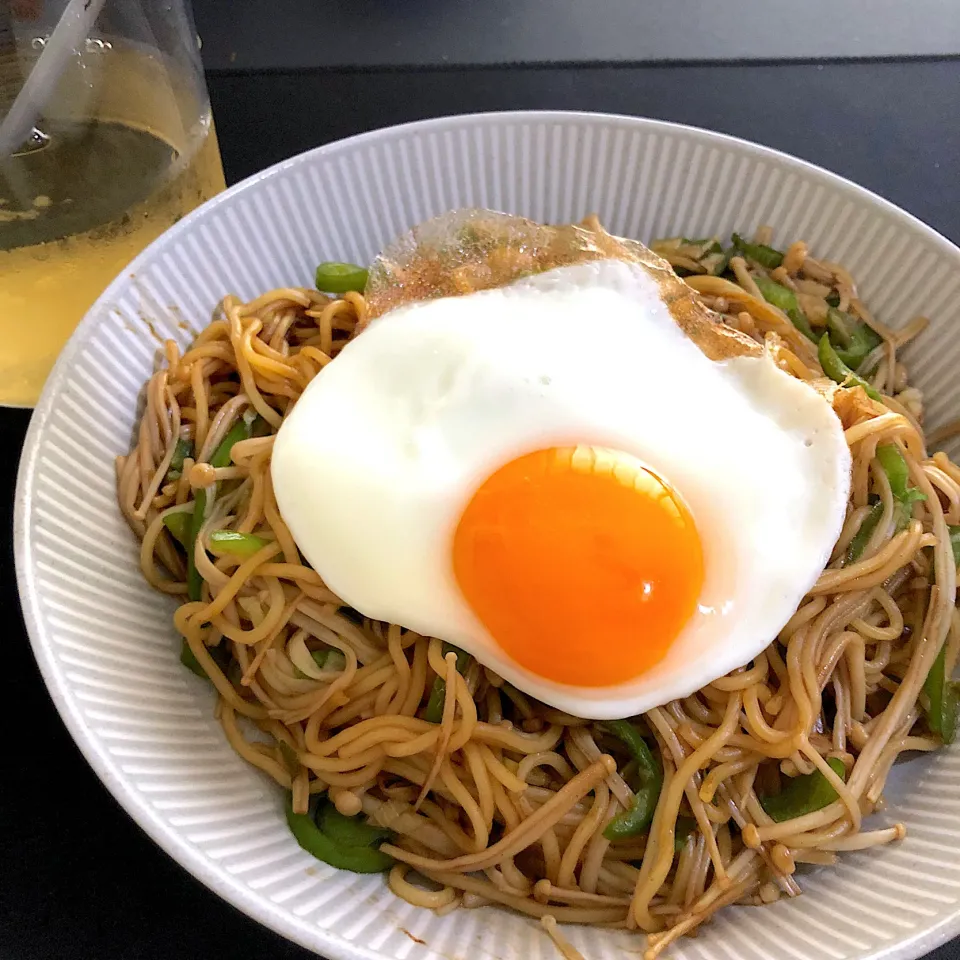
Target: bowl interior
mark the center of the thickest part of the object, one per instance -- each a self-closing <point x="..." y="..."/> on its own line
<point x="104" y="640"/>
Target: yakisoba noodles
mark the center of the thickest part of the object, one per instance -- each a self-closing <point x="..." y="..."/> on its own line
<point x="498" y="798"/>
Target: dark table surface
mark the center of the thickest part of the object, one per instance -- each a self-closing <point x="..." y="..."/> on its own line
<point x="337" y="33"/>
<point x="78" y="880"/>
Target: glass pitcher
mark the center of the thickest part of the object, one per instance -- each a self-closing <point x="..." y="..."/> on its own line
<point x="123" y="146"/>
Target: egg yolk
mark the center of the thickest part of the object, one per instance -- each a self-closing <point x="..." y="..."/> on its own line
<point x="582" y="564"/>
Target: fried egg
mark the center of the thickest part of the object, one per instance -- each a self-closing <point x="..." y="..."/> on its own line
<point x="552" y="476"/>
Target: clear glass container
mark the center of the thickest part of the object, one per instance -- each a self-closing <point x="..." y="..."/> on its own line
<point x="123" y="147"/>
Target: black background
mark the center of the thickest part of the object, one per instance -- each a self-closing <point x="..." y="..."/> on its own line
<point x="891" y="126"/>
<point x="78" y="880"/>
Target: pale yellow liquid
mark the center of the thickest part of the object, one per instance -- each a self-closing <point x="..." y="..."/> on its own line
<point x="121" y="167"/>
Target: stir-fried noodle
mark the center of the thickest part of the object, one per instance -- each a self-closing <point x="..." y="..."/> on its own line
<point x="500" y="799"/>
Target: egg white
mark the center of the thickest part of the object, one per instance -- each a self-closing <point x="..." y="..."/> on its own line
<point x="378" y="458"/>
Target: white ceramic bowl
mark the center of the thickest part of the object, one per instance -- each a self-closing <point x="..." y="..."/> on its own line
<point x="104" y="640"/>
